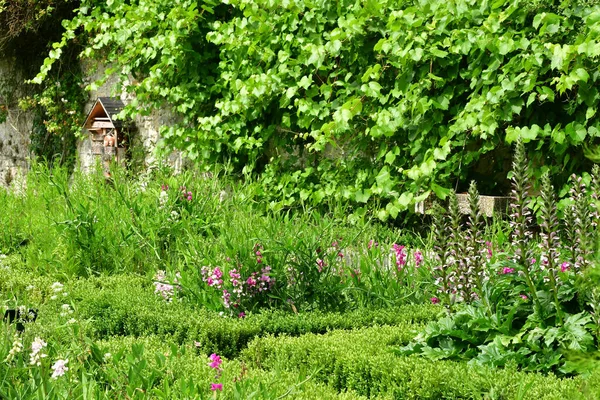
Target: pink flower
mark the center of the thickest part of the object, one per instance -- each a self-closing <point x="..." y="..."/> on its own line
<point x="400" y="256"/>
<point x="533" y="261"/>
<point x="524" y="297"/>
<point x="564" y="267"/>
<point x="435" y="300"/>
<point x="258" y="253"/>
<point x="418" y="258"/>
<point x="197" y="344"/>
<point x="372" y="243"/>
<point x="340" y="255"/>
<point x="242" y="315"/>
<point x="251" y="281"/>
<point x="215" y="361"/>
<point x="489" y="249"/>
<point x="226" y="298"/>
<point x="320" y="264"/>
<point x="164" y="188"/>
<point x="216" y="386"/>
<point x="507" y="270"/>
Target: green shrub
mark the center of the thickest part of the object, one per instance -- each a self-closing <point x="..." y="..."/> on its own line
<point x="362" y="360"/>
<point x="125" y="305"/>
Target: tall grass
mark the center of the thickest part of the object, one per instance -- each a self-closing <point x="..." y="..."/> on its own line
<point x="76" y="225"/>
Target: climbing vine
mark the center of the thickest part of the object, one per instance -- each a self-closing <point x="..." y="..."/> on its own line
<point x="377" y="101"/>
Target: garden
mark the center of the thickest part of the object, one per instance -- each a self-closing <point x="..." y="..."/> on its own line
<point x="285" y="258"/>
<point x="182" y="286"/>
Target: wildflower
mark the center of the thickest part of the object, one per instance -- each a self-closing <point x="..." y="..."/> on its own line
<point x="507" y="270"/>
<point x="71" y="321"/>
<point x="533" y="261"/>
<point x="216" y="386"/>
<point x="251" y="281"/>
<point x="372" y="243"/>
<point x="163" y="198"/>
<point x="36" y="355"/>
<point x="164" y="187"/>
<point x="57" y="287"/>
<point x="320" y="264"/>
<point x="107" y="356"/>
<point x="488" y="246"/>
<point x="226" y="298"/>
<point x="59" y="367"/>
<point x="166" y="290"/>
<point x="418" y="258"/>
<point x="435" y="300"/>
<point x="17" y="347"/>
<point x="400" y="256"/>
<point x="564" y="266"/>
<point x="215" y="361"/>
<point x="524" y="297"/>
<point x="242" y="315"/>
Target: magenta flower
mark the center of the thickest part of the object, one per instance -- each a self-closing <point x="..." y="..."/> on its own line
<point x="216" y="386"/>
<point x="215" y="361"/>
<point x="507" y="270"/>
<point x="533" y="261"/>
<point x="340" y="255"/>
<point x="258" y="253"/>
<point x="564" y="267"/>
<point x="242" y="315"/>
<point x="400" y="256"/>
<point x="435" y="300"/>
<point x="524" y="297"/>
<point x="164" y="188"/>
<point x="372" y="243"/>
<point x="418" y="258"/>
<point x="251" y="281"/>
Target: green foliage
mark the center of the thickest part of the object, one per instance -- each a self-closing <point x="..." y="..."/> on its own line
<point x="528" y="308"/>
<point x="80" y="225"/>
<point x="143" y="368"/>
<point x="380" y="102"/>
<point x="126" y="306"/>
<point x="362" y="360"/>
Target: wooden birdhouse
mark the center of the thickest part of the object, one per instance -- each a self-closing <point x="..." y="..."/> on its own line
<point x="108" y="135"/>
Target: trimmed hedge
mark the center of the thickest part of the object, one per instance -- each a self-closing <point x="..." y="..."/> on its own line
<point x="126" y="305"/>
<point x="363" y="361"/>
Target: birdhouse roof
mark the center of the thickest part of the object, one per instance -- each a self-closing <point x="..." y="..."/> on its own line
<point x="105" y="108"/>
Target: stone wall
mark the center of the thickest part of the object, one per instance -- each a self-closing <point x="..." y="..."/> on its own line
<point x="14" y="132"/>
<point x="146" y="129"/>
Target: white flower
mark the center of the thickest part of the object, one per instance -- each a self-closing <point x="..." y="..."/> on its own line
<point x="36" y="355"/>
<point x="17" y="347"/>
<point x="59" y="367"/>
<point x="107" y="356"/>
<point x="57" y="287"/>
<point x="71" y="321"/>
